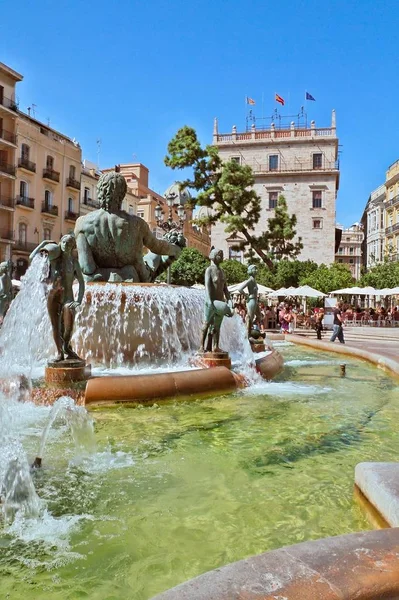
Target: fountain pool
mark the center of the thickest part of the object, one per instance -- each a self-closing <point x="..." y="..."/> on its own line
<point x="177" y="489"/>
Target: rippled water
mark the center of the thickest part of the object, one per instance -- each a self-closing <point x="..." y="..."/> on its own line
<point x="177" y="489"/>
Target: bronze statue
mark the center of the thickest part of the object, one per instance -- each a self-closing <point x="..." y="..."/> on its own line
<point x="251" y="297"/>
<point x="6" y="293"/>
<point x="110" y="242"/>
<point x="216" y="307"/>
<point x="61" y="304"/>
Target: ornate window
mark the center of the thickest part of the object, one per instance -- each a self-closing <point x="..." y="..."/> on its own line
<point x="22" y="233"/>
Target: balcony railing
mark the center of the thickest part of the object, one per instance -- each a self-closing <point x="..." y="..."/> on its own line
<point x="6" y="234"/>
<point x="73" y="183"/>
<point x="8" y="136"/>
<point x="90" y="202"/>
<point x="392" y="229"/>
<point x="392" y="202"/>
<point x="21" y="246"/>
<point x="70" y="215"/>
<point x="295" y="167"/>
<point x="7" y="168"/>
<point x="27" y="164"/>
<point x="7" y="202"/>
<point x="52" y="175"/>
<point x="49" y="209"/>
<point x="26" y="202"/>
<point x="8" y="103"/>
<point x="276" y="133"/>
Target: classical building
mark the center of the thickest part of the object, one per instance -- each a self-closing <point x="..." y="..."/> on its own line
<point x="89" y="177"/>
<point x="374" y="228"/>
<point x="299" y="163"/>
<point x="47" y="187"/>
<point x="8" y="146"/>
<point x="391" y="207"/>
<point x="350" y="249"/>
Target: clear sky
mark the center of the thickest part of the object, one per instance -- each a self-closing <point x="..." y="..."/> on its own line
<point x="132" y="72"/>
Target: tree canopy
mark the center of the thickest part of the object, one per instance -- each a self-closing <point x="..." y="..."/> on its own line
<point x="326" y="279"/>
<point x="226" y="189"/>
<point x="189" y="268"/>
<point x="382" y="275"/>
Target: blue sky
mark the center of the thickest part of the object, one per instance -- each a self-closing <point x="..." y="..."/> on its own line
<point x="132" y="72"/>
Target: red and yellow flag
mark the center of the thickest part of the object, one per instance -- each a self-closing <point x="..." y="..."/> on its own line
<point x="279" y="99"/>
<point x="250" y="100"/>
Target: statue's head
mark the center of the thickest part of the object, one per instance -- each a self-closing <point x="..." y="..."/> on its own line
<point x="111" y="190"/>
<point x="3" y="268"/>
<point x="68" y="243"/>
<point x="216" y="255"/>
<point x="252" y="270"/>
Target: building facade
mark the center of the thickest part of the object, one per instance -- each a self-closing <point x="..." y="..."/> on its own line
<point x="373" y="221"/>
<point x="47" y="187"/>
<point x="299" y="163"/>
<point x="350" y="249"/>
<point x="8" y="148"/>
<point x="391" y="207"/>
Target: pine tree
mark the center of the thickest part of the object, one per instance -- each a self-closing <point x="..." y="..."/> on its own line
<point x="226" y="189"/>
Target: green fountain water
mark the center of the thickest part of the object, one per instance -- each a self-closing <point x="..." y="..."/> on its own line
<point x="178" y="489"/>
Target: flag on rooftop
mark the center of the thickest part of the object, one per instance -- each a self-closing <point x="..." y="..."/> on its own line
<point x="249" y="100"/>
<point x="279" y="99"/>
<point x="310" y="97"/>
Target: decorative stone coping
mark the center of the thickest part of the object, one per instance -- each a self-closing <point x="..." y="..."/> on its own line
<point x="358" y="566"/>
<point x="379" y="483"/>
<point x="383" y="362"/>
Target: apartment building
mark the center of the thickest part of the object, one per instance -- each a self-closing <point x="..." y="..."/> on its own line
<point x="350" y="249"/>
<point x="373" y="247"/>
<point x="300" y="163"/>
<point x="8" y="147"/>
<point x="391" y="208"/>
<point x="47" y="187"/>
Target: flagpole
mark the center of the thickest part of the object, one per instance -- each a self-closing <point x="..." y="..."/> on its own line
<point x="263" y="102"/>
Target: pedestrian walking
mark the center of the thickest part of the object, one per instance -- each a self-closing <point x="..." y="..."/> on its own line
<point x="319" y="323"/>
<point x="338" y="331"/>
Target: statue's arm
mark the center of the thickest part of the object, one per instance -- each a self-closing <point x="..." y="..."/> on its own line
<point x="210" y="289"/>
<point x="81" y="281"/>
<point x="86" y="260"/>
<point x="157" y="246"/>
<point x="39" y="248"/>
<point x="242" y="287"/>
<point x="2" y="286"/>
<point x="226" y="291"/>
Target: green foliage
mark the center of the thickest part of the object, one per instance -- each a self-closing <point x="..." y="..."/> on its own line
<point x="381" y="276"/>
<point x="226" y="188"/>
<point x="234" y="271"/>
<point x="325" y="279"/>
<point x="290" y="272"/>
<point x="189" y="268"/>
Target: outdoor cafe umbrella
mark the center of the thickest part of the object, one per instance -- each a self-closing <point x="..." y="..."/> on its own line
<point x="306" y="291"/>
<point x="262" y="289"/>
<point x="282" y="292"/>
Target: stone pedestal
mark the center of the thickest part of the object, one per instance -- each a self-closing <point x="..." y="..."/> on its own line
<point x="66" y="371"/>
<point x="214" y="359"/>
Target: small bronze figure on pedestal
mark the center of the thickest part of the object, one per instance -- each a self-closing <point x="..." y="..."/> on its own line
<point x="216" y="307"/>
<point x="61" y="304"/>
<point x="5" y="288"/>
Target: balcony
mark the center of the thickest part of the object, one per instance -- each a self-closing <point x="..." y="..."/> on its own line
<point x="49" y="209"/>
<point x="8" y="136"/>
<point x="6" y="234"/>
<point x="51" y="175"/>
<point x="392" y="202"/>
<point x="6" y="202"/>
<point x="28" y="165"/>
<point x="392" y="229"/>
<point x="25" y="202"/>
<point x="90" y="202"/>
<point x="22" y="246"/>
<point x="8" y="103"/>
<point x="73" y="183"/>
<point x="7" y="168"/>
<point x="70" y="215"/>
<point x="294" y="167"/>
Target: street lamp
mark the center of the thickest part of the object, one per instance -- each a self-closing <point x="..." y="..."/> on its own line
<point x="172" y="199"/>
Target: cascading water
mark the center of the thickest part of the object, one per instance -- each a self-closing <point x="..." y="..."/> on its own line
<point x="79" y="422"/>
<point x="25" y="336"/>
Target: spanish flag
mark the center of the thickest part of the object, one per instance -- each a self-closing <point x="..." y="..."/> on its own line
<point x="279" y="99"/>
<point x="249" y="100"/>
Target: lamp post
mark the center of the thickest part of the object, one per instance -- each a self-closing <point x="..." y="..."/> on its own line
<point x="170" y="224"/>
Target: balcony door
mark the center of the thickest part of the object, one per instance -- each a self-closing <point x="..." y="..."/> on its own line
<point x="70" y="205"/>
<point x="22" y="233"/>
<point x="23" y="189"/>
<point x="48" y="199"/>
<point x="1" y="94"/>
